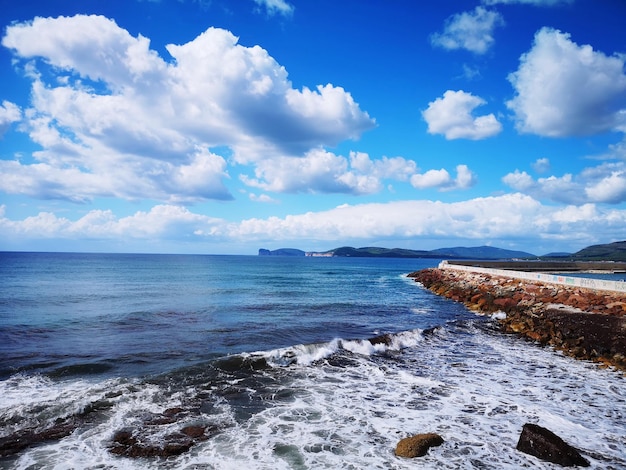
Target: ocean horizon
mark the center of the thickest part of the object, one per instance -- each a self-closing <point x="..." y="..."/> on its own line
<point x="280" y="362"/>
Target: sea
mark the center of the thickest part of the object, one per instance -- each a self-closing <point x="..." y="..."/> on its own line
<point x="284" y="362"/>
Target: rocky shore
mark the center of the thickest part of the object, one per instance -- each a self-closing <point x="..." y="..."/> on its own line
<point x="584" y="323"/>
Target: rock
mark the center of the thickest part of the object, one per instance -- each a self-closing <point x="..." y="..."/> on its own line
<point x="382" y="339"/>
<point x="582" y="323"/>
<point x="418" y="445"/>
<point x="126" y="443"/>
<point x="195" y="432"/>
<point x="173" y="411"/>
<point x="20" y="440"/>
<point x="545" y="445"/>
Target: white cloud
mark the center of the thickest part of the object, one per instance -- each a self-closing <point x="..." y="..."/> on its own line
<point x="112" y="106"/>
<point x="541" y="165"/>
<point x="162" y="221"/>
<point x="507" y="217"/>
<point x="318" y="171"/>
<point x="605" y="183"/>
<point x="611" y="189"/>
<point x="127" y="178"/>
<point x="563" y="89"/>
<point x="397" y="168"/>
<point x="262" y="198"/>
<point x="9" y="113"/>
<point x="274" y="7"/>
<point x="441" y="179"/>
<point x="469" y="30"/>
<point x="451" y="115"/>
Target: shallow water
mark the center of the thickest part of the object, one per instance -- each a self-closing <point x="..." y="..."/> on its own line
<point x="272" y="356"/>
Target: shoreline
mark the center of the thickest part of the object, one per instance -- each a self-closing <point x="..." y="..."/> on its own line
<point x="586" y="324"/>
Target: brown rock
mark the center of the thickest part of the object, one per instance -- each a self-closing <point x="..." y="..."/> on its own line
<point x="126" y="443"/>
<point x="194" y="432"/>
<point x="418" y="445"/>
<point x="545" y="445"/>
<point x="20" y="440"/>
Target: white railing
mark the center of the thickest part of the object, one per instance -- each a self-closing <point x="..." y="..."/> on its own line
<point x="585" y="282"/>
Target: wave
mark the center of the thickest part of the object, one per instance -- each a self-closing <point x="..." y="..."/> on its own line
<point x="307" y="354"/>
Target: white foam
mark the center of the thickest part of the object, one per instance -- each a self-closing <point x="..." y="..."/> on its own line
<point x="476" y="394"/>
<point x="307" y="354"/>
<point x="474" y="388"/>
<point x="499" y="315"/>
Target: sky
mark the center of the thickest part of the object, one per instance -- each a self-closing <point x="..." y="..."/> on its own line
<point x="225" y="126"/>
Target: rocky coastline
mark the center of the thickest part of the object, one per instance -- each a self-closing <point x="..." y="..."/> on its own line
<point x="583" y="323"/>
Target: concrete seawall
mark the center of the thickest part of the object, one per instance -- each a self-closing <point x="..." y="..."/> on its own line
<point x="570" y="281"/>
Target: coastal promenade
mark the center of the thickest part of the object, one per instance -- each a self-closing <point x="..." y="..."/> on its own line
<point x="582" y="317"/>
<point x="548" y="278"/>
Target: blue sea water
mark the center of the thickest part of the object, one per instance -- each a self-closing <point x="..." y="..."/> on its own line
<point x="291" y="362"/>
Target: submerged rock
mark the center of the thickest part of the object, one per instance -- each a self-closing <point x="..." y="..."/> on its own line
<point x="418" y="445"/>
<point x="127" y="444"/>
<point x="22" y="439"/>
<point x="545" y="445"/>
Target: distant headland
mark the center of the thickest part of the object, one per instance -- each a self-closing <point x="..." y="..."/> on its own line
<point x="606" y="252"/>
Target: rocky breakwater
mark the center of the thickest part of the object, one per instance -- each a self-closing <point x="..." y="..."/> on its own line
<point x="583" y="323"/>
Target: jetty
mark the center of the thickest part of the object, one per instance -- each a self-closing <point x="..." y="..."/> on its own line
<point x="583" y="317"/>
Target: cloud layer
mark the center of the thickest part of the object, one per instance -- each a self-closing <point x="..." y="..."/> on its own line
<point x="107" y="110"/>
<point x="510" y="217"/>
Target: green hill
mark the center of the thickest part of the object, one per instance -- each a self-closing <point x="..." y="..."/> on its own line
<point x="481" y="252"/>
<point x="281" y="252"/>
<point x="377" y="252"/>
<point x="607" y="252"/>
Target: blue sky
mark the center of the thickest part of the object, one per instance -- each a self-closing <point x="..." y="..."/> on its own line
<point x="214" y="126"/>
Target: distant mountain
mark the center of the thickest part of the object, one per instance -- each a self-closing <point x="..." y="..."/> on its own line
<point x="607" y="252"/>
<point x="377" y="252"/>
<point x="481" y="252"/>
<point x="557" y="254"/>
<point x="281" y="252"/>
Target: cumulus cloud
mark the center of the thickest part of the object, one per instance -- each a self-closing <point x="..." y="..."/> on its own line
<point x="451" y="116"/>
<point x="162" y="221"/>
<point x="541" y="165"/>
<point x="128" y="178"/>
<point x="108" y="105"/>
<point x="276" y="7"/>
<point x="321" y="171"/>
<point x="262" y="198"/>
<point x="563" y="89"/>
<point x="472" y="31"/>
<point x="325" y="172"/>
<point x="9" y="113"/>
<point x="507" y="217"/>
<point x="441" y="179"/>
<point x="605" y="183"/>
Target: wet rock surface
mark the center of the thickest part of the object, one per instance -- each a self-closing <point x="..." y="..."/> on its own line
<point x="20" y="440"/>
<point x="418" y="445"/>
<point x="545" y="445"/>
<point x="583" y="323"/>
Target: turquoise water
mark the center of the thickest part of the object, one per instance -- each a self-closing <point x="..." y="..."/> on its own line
<point x="275" y="355"/>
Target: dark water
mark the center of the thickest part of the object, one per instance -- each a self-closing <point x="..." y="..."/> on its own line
<point x="272" y="355"/>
